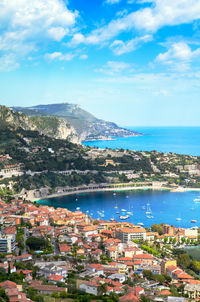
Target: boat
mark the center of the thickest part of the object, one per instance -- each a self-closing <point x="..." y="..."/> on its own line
<point x="123" y="216"/>
<point x="197" y="200"/>
<point x="117" y="212"/>
<point x="140" y="223"/>
<point x="148" y="211"/>
<point x="148" y="216"/>
<point x="123" y="210"/>
<point x="129" y="213"/>
<point x="114" y="194"/>
<point x="193" y="221"/>
<point x="178" y="219"/>
<point x="78" y="208"/>
<point x="112" y="219"/>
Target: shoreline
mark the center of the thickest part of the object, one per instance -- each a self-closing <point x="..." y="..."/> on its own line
<point x="112" y="189"/>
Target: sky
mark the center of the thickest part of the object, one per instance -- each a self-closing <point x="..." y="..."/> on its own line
<point x="134" y="62"/>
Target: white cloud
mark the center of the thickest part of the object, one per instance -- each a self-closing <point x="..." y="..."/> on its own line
<point x="83" y="57"/>
<point x="25" y="25"/>
<point x="113" y="67"/>
<point x="179" y="55"/>
<point x="59" y="56"/>
<point x="111" y="1"/>
<point x="119" y="47"/>
<point x="149" y="19"/>
<point x="8" y="63"/>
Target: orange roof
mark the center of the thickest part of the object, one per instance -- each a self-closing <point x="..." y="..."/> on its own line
<point x="133" y="230"/>
<point x="165" y="292"/>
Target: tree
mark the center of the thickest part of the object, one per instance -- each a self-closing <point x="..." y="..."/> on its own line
<point x="195" y="266"/>
<point x="183" y="261"/>
<point x="148" y="274"/>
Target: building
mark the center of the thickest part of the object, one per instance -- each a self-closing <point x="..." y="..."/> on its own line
<point x="165" y="263"/>
<point x="192" y="291"/>
<point x="130" y="234"/>
<point x="7" y="244"/>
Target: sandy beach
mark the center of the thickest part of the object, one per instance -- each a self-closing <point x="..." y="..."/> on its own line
<point x="122" y="187"/>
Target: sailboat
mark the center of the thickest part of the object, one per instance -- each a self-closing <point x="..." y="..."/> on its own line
<point x="148" y="211"/>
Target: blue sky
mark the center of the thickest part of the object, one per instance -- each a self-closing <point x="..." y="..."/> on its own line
<point x="134" y="62"/>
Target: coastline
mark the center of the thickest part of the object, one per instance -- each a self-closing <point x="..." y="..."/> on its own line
<point x="121" y="187"/>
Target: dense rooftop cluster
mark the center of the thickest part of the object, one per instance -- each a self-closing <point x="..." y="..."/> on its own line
<point x="47" y="252"/>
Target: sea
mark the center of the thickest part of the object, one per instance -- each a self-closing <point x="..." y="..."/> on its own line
<point x="174" y="208"/>
<point x="182" y="140"/>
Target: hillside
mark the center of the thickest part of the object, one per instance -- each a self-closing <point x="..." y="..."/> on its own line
<point x="87" y="126"/>
<point x="47" y="125"/>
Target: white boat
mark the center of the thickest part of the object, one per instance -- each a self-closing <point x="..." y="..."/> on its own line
<point x="114" y="194"/>
<point x="117" y="212"/>
<point x="148" y="216"/>
<point x="123" y="210"/>
<point x="129" y="213"/>
<point x="178" y="219"/>
<point x="197" y="200"/>
<point x="148" y="211"/>
<point x="193" y="220"/>
<point x="123" y="216"/>
<point x="140" y="223"/>
<point x="78" y="208"/>
<point x="143" y="207"/>
<point x="112" y="219"/>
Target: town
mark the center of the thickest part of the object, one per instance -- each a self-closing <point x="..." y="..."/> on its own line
<point x="49" y="254"/>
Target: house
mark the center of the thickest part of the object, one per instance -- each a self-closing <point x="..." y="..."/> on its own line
<point x="23" y="258"/>
<point x="28" y="274"/>
<point x="89" y="287"/>
<point x="129" y="297"/>
<point x="56" y="278"/>
<point x="48" y="289"/>
<point x="118" y="277"/>
<point x="64" y="248"/>
<point x="145" y="258"/>
<point x="96" y="268"/>
<point x="47" y="269"/>
<point x="166" y="263"/>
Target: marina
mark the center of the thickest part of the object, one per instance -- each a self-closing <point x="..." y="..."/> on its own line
<point x="142" y="207"/>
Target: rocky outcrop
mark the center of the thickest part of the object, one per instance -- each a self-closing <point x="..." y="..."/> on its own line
<point x="48" y="125"/>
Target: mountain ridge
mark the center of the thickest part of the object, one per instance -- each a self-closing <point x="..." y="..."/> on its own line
<point x="87" y="126"/>
<point x="47" y="125"/>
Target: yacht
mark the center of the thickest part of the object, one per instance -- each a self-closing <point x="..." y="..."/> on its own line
<point x="78" y="208"/>
<point x="112" y="219"/>
<point x="197" y="200"/>
<point x="178" y="219"/>
<point x="140" y="223"/>
<point x="117" y="212"/>
<point x="123" y="210"/>
<point x="193" y="220"/>
<point x="123" y="216"/>
<point x="129" y="213"/>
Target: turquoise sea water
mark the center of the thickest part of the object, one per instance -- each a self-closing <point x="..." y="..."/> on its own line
<point x="182" y="140"/>
<point x="166" y="206"/>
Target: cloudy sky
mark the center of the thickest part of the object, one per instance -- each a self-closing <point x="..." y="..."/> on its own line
<point x="134" y="62"/>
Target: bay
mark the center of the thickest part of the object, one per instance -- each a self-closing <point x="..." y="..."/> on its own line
<point x="181" y="140"/>
<point x="166" y="206"/>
